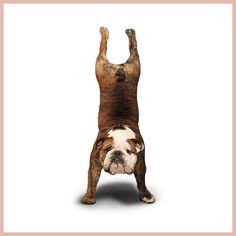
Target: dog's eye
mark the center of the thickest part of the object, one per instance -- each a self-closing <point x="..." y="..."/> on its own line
<point x="108" y="149"/>
<point x="128" y="151"/>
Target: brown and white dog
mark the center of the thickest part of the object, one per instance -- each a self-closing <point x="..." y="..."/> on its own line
<point x="119" y="147"/>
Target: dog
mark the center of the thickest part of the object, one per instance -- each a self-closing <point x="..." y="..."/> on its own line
<point x="119" y="146"/>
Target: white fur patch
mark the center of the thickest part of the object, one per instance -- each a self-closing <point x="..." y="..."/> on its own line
<point x="121" y="135"/>
<point x="149" y="200"/>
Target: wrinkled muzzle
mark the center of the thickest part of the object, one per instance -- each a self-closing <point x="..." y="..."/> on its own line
<point x="119" y="162"/>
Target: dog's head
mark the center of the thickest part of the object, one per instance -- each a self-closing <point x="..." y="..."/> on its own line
<point x="118" y="150"/>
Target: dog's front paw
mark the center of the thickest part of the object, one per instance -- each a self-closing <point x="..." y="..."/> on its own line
<point x="147" y="197"/>
<point x="88" y="200"/>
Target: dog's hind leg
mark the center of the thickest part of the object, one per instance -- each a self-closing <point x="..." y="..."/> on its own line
<point x="132" y="43"/>
<point x="103" y="44"/>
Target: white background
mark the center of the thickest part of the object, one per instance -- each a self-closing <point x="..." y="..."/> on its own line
<point x="51" y="101"/>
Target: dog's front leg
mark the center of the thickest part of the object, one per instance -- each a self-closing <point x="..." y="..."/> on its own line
<point x="93" y="177"/>
<point x="139" y="172"/>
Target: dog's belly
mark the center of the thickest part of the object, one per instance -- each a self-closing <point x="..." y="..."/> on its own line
<point x="118" y="101"/>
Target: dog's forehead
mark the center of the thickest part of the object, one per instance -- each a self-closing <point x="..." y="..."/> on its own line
<point x="121" y="135"/>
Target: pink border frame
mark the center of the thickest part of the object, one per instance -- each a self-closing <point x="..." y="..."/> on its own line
<point x="2" y="2"/>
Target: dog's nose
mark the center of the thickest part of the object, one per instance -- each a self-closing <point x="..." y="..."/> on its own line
<point x="117" y="157"/>
<point x="117" y="153"/>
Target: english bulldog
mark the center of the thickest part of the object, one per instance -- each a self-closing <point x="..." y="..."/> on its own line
<point x="119" y="146"/>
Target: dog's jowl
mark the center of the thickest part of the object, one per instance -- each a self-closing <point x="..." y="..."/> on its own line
<point x="119" y="146"/>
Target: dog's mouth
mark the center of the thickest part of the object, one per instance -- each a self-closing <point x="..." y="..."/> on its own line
<point x="118" y="168"/>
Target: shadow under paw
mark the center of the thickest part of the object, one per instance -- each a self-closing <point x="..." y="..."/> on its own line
<point x="125" y="193"/>
<point x="120" y="192"/>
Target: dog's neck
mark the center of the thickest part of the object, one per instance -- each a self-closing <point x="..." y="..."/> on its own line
<point x="119" y="123"/>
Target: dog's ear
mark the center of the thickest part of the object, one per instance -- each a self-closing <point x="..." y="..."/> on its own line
<point x="138" y="145"/>
<point x="99" y="142"/>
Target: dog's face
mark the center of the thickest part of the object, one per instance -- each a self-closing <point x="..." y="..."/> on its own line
<point x="118" y="151"/>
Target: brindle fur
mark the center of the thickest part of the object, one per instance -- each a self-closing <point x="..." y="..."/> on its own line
<point x="118" y="107"/>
